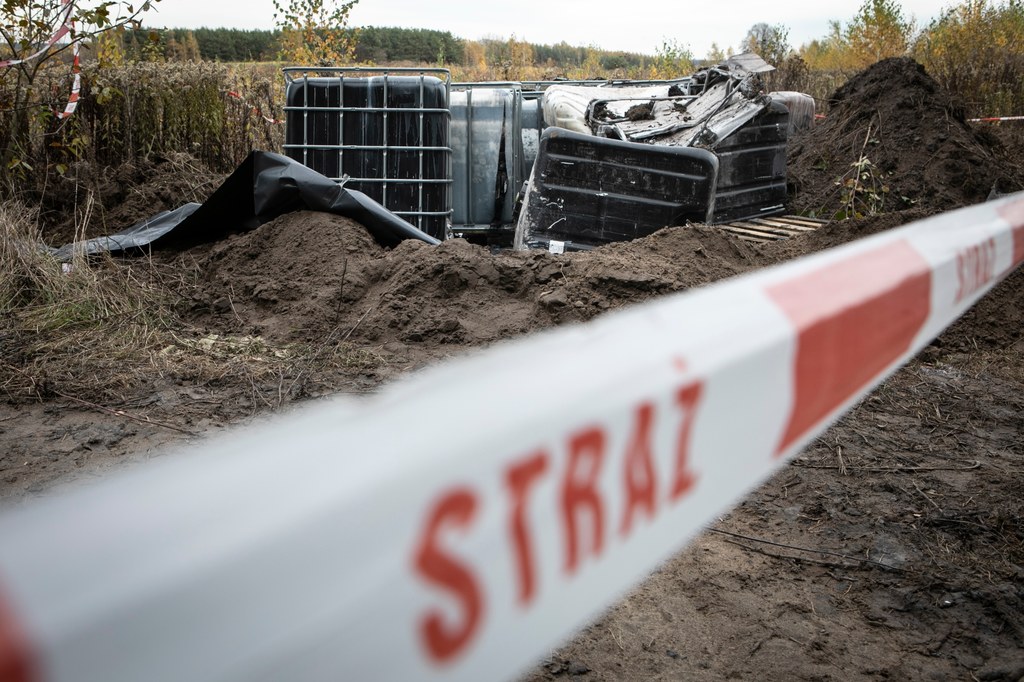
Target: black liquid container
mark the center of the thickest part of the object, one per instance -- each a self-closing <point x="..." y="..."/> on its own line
<point x="388" y="134"/>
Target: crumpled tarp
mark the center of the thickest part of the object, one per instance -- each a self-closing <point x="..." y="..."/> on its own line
<point x="264" y="187"/>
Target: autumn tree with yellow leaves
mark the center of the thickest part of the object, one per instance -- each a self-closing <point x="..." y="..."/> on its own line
<point x="878" y="30"/>
<point x="976" y="49"/>
<point x="315" y="32"/>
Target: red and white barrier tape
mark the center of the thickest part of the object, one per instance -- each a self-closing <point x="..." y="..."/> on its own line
<point x="65" y="28"/>
<point x="468" y="519"/>
<point x="987" y="119"/>
<point x="996" y="119"/>
<point x="268" y="119"/>
<point x="76" y="67"/>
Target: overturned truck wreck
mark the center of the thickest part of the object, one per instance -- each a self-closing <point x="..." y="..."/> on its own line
<point x="554" y="165"/>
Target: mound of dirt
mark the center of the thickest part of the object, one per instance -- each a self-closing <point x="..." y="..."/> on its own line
<point x="290" y="275"/>
<point x="892" y="139"/>
<point x="309" y="276"/>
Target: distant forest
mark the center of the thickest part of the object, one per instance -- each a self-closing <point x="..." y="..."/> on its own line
<point x="377" y="45"/>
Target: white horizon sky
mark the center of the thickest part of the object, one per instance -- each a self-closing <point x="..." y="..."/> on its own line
<point x="635" y="28"/>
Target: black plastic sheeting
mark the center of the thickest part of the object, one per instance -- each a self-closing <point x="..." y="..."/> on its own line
<point x="264" y="187"/>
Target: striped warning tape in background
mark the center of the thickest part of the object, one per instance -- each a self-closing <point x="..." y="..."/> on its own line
<point x="76" y="68"/>
<point x="469" y="518"/>
<point x="66" y="28"/>
<point x="986" y="119"/>
<point x="996" y="119"/>
<point x="235" y="95"/>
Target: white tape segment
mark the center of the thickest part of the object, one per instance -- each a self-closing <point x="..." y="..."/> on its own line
<point x="470" y="518"/>
<point x="76" y="90"/>
<point x="996" y="119"/>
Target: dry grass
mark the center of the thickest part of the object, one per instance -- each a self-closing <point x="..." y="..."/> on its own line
<point x="214" y="112"/>
<point x="108" y="331"/>
<point x="83" y="327"/>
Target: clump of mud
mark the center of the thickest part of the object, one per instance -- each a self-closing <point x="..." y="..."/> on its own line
<point x="907" y="139"/>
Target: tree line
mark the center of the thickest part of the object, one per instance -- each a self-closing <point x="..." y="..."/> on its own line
<point x="373" y="45"/>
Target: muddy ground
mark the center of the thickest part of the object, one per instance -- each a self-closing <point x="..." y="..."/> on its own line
<point x="891" y="548"/>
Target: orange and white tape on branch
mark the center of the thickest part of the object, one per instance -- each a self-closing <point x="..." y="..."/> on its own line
<point x="76" y="90"/>
<point x="67" y="27"/>
<point x="468" y="519"/>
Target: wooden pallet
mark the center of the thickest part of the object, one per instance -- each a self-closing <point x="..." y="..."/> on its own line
<point x="761" y="230"/>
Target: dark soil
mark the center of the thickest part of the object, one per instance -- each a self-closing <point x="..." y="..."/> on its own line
<point x="109" y="200"/>
<point x="918" y="150"/>
<point x="916" y="492"/>
<point x="308" y="275"/>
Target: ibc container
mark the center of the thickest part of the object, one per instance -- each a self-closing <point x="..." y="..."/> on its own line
<point x="389" y="134"/>
<point x="586" y="191"/>
<point x="752" y="167"/>
<point x="487" y="164"/>
<point x="533" y="126"/>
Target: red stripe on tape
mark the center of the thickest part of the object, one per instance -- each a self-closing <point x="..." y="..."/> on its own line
<point x="1013" y="213"/>
<point x="853" y="319"/>
<point x="15" y="659"/>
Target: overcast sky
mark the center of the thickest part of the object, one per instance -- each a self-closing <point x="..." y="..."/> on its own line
<point x="636" y="27"/>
